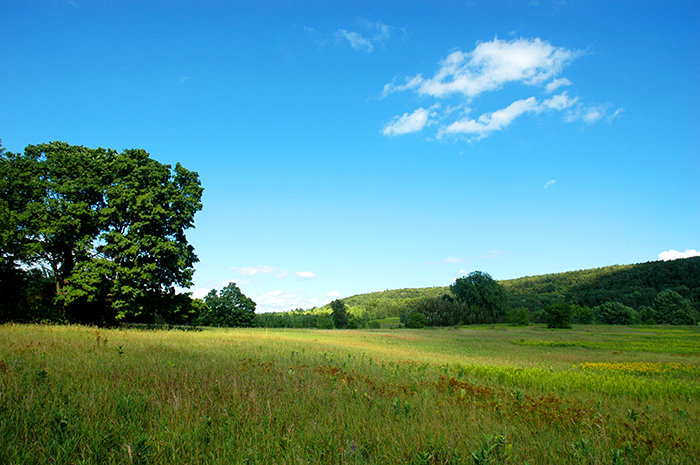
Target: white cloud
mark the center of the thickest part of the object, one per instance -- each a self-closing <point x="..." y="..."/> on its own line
<point x="200" y="293"/>
<point x="617" y="113"/>
<point x="549" y="184"/>
<point x="674" y="254"/>
<point x="490" y="122"/>
<point x="380" y="31"/>
<point x="253" y="270"/>
<point x="377" y="31"/>
<point x="279" y="301"/>
<point x="491" y="254"/>
<point x="492" y="64"/>
<point x="355" y="39"/>
<point x="500" y="119"/>
<point x="589" y="114"/>
<point x="559" y="102"/>
<point x="279" y="273"/>
<point x="305" y="274"/>
<point x="333" y="294"/>
<point x="407" y="123"/>
<point x="453" y="260"/>
<point x="593" y="114"/>
<point x="487" y="68"/>
<point x="555" y="84"/>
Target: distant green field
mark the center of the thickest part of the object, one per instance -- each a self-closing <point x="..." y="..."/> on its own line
<point x="472" y="395"/>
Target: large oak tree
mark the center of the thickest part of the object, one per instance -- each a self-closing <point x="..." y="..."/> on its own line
<point x="108" y="226"/>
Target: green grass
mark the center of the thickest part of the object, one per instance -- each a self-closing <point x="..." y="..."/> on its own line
<point x="594" y="394"/>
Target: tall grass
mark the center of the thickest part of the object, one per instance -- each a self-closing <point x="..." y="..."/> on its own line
<point x="71" y="394"/>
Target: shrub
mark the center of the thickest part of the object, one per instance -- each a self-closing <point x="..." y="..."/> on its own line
<point x="415" y="320"/>
<point x="374" y="324"/>
<point x="672" y="308"/>
<point x="440" y="311"/>
<point x="558" y="315"/>
<point x="340" y="314"/>
<point x="615" y="313"/>
<point x="538" y="316"/>
<point x="582" y="315"/>
<point x="519" y="316"/>
<point x="647" y="315"/>
<point x="324" y="322"/>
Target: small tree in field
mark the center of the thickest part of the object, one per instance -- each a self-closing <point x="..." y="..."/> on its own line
<point x="230" y="307"/>
<point x="340" y="314"/>
<point x="673" y="308"/>
<point x="558" y="315"/>
<point x="519" y="316"/>
<point x="479" y="290"/>
<point x="615" y="313"/>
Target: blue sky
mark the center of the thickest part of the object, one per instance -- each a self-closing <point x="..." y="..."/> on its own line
<point x="351" y="147"/>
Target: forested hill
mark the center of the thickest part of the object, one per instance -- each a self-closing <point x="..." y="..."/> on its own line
<point x="633" y="285"/>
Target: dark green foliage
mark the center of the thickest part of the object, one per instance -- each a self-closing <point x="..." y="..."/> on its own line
<point x="339" y="314"/>
<point x="582" y="315"/>
<point x="228" y="308"/>
<point x="635" y="285"/>
<point x="671" y="308"/>
<point x="647" y="315"/>
<point x="479" y="290"/>
<point x="414" y="320"/>
<point x="632" y="285"/>
<point x="293" y="319"/>
<point x="109" y="227"/>
<point x="558" y="315"/>
<point x="441" y="311"/>
<point x="615" y="313"/>
<point x="519" y="316"/>
<point x="392" y="303"/>
<point x="324" y="322"/>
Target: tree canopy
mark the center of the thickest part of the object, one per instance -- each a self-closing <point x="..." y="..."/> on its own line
<point x="339" y="314"/>
<point x="108" y="227"/>
<point x="228" y="308"/>
<point x="480" y="290"/>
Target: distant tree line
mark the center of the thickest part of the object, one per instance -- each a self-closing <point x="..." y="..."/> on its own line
<point x="659" y="293"/>
<point x="338" y="315"/>
<point x="634" y="286"/>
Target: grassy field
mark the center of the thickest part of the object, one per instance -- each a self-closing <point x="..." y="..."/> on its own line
<point x="473" y="395"/>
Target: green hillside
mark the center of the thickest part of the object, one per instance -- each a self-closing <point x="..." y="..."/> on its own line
<point x="633" y="285"/>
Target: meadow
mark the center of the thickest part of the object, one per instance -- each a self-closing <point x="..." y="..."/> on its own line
<point x="468" y="395"/>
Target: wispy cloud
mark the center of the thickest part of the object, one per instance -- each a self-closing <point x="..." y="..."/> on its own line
<point x="369" y="35"/>
<point x="333" y="294"/>
<point x="500" y="119"/>
<point x="355" y="40"/>
<point x="491" y="254"/>
<point x="590" y="114"/>
<point x="675" y="255"/>
<point x="556" y="83"/>
<point x="491" y="65"/>
<point x="279" y="301"/>
<point x="490" y="122"/>
<point x="304" y="274"/>
<point x="488" y="68"/>
<point x="406" y="123"/>
<point x="279" y="273"/>
<point x="200" y="293"/>
<point x="549" y="184"/>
